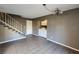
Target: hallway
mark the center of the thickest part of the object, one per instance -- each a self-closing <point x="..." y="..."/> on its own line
<point x="34" y="45"/>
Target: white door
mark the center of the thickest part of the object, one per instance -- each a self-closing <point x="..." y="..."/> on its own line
<point x="28" y="27"/>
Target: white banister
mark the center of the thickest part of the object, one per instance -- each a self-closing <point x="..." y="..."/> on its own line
<point x="11" y="22"/>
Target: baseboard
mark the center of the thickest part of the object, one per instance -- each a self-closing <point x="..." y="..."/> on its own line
<point x="35" y="34"/>
<point x="12" y="40"/>
<point x="61" y="44"/>
<point x="28" y="34"/>
<point x="64" y="45"/>
<point x="40" y="36"/>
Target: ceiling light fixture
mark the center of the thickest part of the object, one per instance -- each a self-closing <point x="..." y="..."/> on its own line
<point x="57" y="11"/>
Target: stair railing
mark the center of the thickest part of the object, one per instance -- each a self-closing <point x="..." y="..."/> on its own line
<point x="11" y="23"/>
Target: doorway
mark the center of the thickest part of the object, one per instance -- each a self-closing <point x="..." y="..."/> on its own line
<point x="28" y="27"/>
<point x="43" y="28"/>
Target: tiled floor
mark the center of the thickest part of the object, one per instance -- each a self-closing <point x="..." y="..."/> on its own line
<point x="34" y="45"/>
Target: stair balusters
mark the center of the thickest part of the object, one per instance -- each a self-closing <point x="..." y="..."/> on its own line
<point x="12" y="23"/>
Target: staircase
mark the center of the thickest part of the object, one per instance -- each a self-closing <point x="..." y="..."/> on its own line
<point x="11" y="23"/>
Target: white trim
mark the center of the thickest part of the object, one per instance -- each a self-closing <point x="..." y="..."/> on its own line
<point x="28" y="34"/>
<point x="39" y="35"/>
<point x="35" y="34"/>
<point x="61" y="44"/>
<point x="12" y="40"/>
<point x="64" y="45"/>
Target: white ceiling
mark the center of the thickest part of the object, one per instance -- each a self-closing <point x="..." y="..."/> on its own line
<point x="34" y="10"/>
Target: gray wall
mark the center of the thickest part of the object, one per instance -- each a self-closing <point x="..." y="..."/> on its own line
<point x="63" y="28"/>
<point x="35" y="26"/>
<point x="7" y="34"/>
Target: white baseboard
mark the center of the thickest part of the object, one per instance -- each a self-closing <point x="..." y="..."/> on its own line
<point x="35" y="34"/>
<point x="39" y="35"/>
<point x="12" y="40"/>
<point x="28" y="34"/>
<point x="61" y="44"/>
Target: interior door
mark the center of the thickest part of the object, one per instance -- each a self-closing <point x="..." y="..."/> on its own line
<point x="28" y="27"/>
